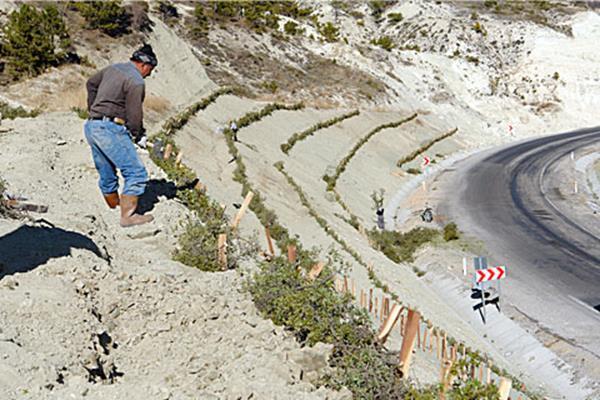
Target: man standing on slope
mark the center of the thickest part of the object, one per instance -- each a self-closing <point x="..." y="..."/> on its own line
<point x="115" y="97"/>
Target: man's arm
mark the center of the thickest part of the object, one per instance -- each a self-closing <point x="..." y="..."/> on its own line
<point x="133" y="107"/>
<point x="92" y="88"/>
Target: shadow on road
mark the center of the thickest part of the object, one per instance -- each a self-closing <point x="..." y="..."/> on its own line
<point x="30" y="246"/>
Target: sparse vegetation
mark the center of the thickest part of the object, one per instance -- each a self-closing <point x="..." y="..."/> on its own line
<point x="555" y="76"/>
<point x="8" y="112"/>
<point x="400" y="247"/>
<point x="107" y="16"/>
<point x="81" y="112"/>
<point x="384" y="42"/>
<point x="291" y="28"/>
<point x="330" y="32"/>
<point x="472" y="59"/>
<point x="450" y="232"/>
<point x="413" y="171"/>
<point x="478" y="27"/>
<point x="270" y="86"/>
<point x="296" y="137"/>
<point x="168" y="12"/>
<point x="394" y="18"/>
<point x="332" y="180"/>
<point x="34" y="39"/>
<point x="424" y="148"/>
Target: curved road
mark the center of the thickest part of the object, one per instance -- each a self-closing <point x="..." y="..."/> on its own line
<point x="519" y="201"/>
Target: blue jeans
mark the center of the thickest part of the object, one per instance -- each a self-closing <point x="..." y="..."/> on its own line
<point x="112" y="149"/>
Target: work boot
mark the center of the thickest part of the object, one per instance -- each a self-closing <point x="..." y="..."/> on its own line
<point x="112" y="199"/>
<point x="128" y="216"/>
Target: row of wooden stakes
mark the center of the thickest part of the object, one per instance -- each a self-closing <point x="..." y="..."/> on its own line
<point x="416" y="334"/>
<point x="410" y="324"/>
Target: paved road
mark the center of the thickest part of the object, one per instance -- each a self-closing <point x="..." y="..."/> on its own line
<point x="517" y="202"/>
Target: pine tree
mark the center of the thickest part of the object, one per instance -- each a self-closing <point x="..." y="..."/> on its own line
<point x="34" y="40"/>
<point x="107" y="16"/>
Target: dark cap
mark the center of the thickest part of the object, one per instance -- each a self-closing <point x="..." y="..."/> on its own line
<point x="146" y="55"/>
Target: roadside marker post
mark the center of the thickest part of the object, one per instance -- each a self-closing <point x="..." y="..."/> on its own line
<point x="484" y="274"/>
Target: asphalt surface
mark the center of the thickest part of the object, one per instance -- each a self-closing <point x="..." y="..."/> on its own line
<point x="517" y="201"/>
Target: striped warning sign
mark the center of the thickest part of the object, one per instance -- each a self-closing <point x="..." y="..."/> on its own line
<point x="490" y="274"/>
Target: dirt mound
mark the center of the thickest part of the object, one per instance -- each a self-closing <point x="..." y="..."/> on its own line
<point x="90" y="309"/>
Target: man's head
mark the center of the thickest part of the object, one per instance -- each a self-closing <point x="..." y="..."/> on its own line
<point x="145" y="60"/>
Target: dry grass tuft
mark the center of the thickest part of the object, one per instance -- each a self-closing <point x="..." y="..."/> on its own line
<point x="157" y="104"/>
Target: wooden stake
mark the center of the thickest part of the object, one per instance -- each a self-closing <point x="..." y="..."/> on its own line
<point x="222" y="248"/>
<point x="345" y="284"/>
<point x="362" y="298"/>
<point x="168" y="150"/>
<point x="408" y="343"/>
<point x="418" y="334"/>
<point x="504" y="388"/>
<point x="480" y="376"/>
<point x="200" y="187"/>
<point x="291" y="252"/>
<point x="178" y="158"/>
<point x="402" y="324"/>
<point x="316" y="270"/>
<point x="376" y="306"/>
<point x="445" y="378"/>
<point x="437" y="346"/>
<point x="488" y="374"/>
<point x="389" y="323"/>
<point x="425" y="332"/>
<point x="269" y="241"/>
<point x="444" y="344"/>
<point x="370" y="300"/>
<point x="242" y="210"/>
<point x="353" y="288"/>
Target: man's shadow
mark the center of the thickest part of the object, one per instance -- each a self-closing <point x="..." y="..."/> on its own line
<point x="30" y="246"/>
<point x="160" y="187"/>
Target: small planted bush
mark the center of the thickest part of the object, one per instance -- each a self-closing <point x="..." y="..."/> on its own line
<point x="400" y="247"/>
<point x="384" y="42"/>
<point x="330" y="32"/>
<point x="394" y="18"/>
<point x="8" y="112"/>
<point x="291" y="28"/>
<point x="450" y="232"/>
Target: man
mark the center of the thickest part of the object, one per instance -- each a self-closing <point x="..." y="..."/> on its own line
<point x="115" y="97"/>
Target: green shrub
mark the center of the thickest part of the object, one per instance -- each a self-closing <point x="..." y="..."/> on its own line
<point x="450" y="232"/>
<point x="400" y="247"/>
<point x="200" y="26"/>
<point x="330" y="32"/>
<point x="413" y="171"/>
<point x="271" y="86"/>
<point x="377" y="7"/>
<point x="34" y="40"/>
<point x="8" y="112"/>
<point x="81" y="112"/>
<point x="394" y="18"/>
<point x="424" y="148"/>
<point x="384" y="42"/>
<point x="107" y="16"/>
<point x="332" y="180"/>
<point x="478" y="27"/>
<point x="168" y="12"/>
<point x="296" y="137"/>
<point x="291" y="28"/>
<point x="315" y="312"/>
<point x="472" y="59"/>
<point x="556" y="76"/>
